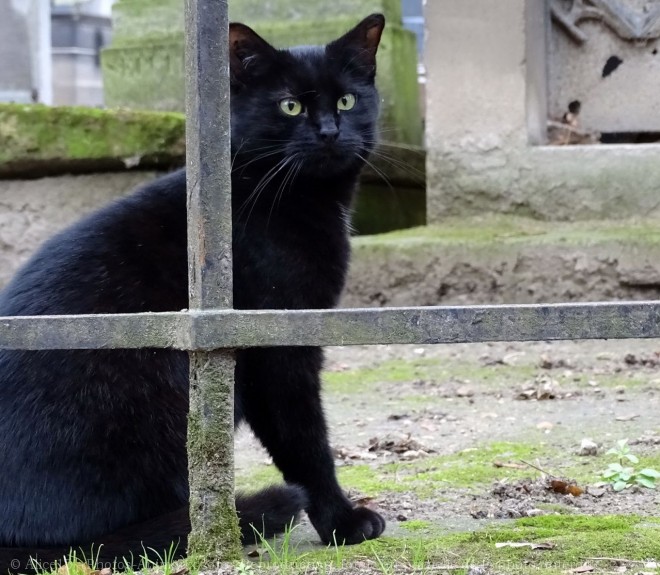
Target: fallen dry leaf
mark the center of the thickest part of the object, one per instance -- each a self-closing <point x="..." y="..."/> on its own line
<point x="561" y="486"/>
<point x="586" y="568"/>
<point x="401" y="445"/>
<point x="627" y="417"/>
<point x="631" y="359"/>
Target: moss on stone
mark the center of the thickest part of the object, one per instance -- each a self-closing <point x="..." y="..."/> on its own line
<point x="283" y="10"/>
<point x="38" y="135"/>
<point x="143" y="69"/>
<point x="511" y="230"/>
<point x="215" y="533"/>
<point x="139" y="19"/>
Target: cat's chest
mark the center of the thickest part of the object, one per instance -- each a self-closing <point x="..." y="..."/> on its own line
<point x="296" y="263"/>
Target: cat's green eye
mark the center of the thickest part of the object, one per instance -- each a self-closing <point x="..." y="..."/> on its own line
<point x="346" y="102"/>
<point x="291" y="107"/>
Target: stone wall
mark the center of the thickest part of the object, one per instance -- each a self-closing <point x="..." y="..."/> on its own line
<point x="144" y="66"/>
<point x="57" y="164"/>
<point x="31" y="211"/>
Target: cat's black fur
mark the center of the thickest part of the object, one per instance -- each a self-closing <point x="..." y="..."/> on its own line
<point x="92" y="443"/>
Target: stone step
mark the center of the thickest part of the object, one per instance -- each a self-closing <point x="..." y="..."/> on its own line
<point x="506" y="259"/>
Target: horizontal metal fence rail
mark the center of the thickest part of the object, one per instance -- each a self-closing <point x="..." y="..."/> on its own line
<point x="215" y="329"/>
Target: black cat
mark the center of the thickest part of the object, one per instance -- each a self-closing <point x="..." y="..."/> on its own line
<point x="92" y="443"/>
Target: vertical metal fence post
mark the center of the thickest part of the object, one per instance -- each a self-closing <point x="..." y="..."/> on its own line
<point x="215" y="534"/>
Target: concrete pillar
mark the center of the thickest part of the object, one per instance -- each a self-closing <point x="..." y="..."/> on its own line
<point x="487" y="124"/>
<point x="25" y="51"/>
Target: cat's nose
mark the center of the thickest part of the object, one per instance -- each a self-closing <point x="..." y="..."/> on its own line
<point x="329" y="134"/>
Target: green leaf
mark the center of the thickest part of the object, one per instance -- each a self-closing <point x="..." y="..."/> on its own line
<point x="632" y="458"/>
<point x="612" y="451"/>
<point x="627" y="473"/>
<point x="645" y="482"/>
<point x="655" y="474"/>
<point x="616" y="467"/>
<point x="619" y="485"/>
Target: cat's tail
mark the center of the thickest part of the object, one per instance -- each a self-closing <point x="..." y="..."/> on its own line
<point x="266" y="512"/>
<point x="270" y="511"/>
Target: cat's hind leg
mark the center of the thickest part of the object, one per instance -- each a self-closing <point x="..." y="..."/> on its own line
<point x="270" y="511"/>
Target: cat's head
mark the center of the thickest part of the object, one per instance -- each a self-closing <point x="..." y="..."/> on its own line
<point x="310" y="108"/>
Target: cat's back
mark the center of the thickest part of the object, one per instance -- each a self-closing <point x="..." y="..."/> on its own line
<point x="79" y="426"/>
<point x="121" y="258"/>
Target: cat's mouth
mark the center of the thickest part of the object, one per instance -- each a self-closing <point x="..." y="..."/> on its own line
<point x="331" y="160"/>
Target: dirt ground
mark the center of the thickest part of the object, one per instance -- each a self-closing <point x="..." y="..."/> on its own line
<point x="455" y="438"/>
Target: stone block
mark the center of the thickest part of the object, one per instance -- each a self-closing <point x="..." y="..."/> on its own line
<point x="25" y="51"/>
<point x="144" y="67"/>
<point x="41" y="140"/>
<point x="34" y="210"/>
<point x="496" y="259"/>
<point x="487" y="113"/>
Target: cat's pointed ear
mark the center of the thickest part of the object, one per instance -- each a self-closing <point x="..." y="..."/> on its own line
<point x="359" y="46"/>
<point x="248" y="53"/>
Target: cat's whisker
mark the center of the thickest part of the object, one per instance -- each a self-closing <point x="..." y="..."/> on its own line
<point x="378" y="171"/>
<point x="380" y="131"/>
<point x="262" y="156"/>
<point x="263" y="183"/>
<point x="282" y="187"/>
<point x="236" y="154"/>
<point x="255" y="191"/>
<point x="416" y="174"/>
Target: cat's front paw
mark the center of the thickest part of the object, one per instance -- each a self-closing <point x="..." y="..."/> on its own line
<point x="356" y="526"/>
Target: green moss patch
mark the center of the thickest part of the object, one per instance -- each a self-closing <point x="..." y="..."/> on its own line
<point x="504" y="229"/>
<point x="564" y="544"/>
<point x="39" y="140"/>
<point x="431" y="369"/>
<point x="471" y="468"/>
<point x="416" y="525"/>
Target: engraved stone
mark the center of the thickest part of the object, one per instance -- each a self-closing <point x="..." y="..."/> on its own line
<point x="143" y="68"/>
<point x="604" y="55"/>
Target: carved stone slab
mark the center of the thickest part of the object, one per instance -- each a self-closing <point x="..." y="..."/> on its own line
<point x="621" y="16"/>
<point x="604" y="55"/>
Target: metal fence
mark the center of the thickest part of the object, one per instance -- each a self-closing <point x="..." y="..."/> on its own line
<point x="211" y="328"/>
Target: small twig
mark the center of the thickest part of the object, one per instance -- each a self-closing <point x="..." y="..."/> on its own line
<point x="563" y="126"/>
<point x="614" y="560"/>
<point x="441" y="568"/>
<point x="539" y="468"/>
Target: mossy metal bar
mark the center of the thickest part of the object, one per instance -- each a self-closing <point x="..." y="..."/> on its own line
<point x="215" y="535"/>
<point x="201" y="330"/>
